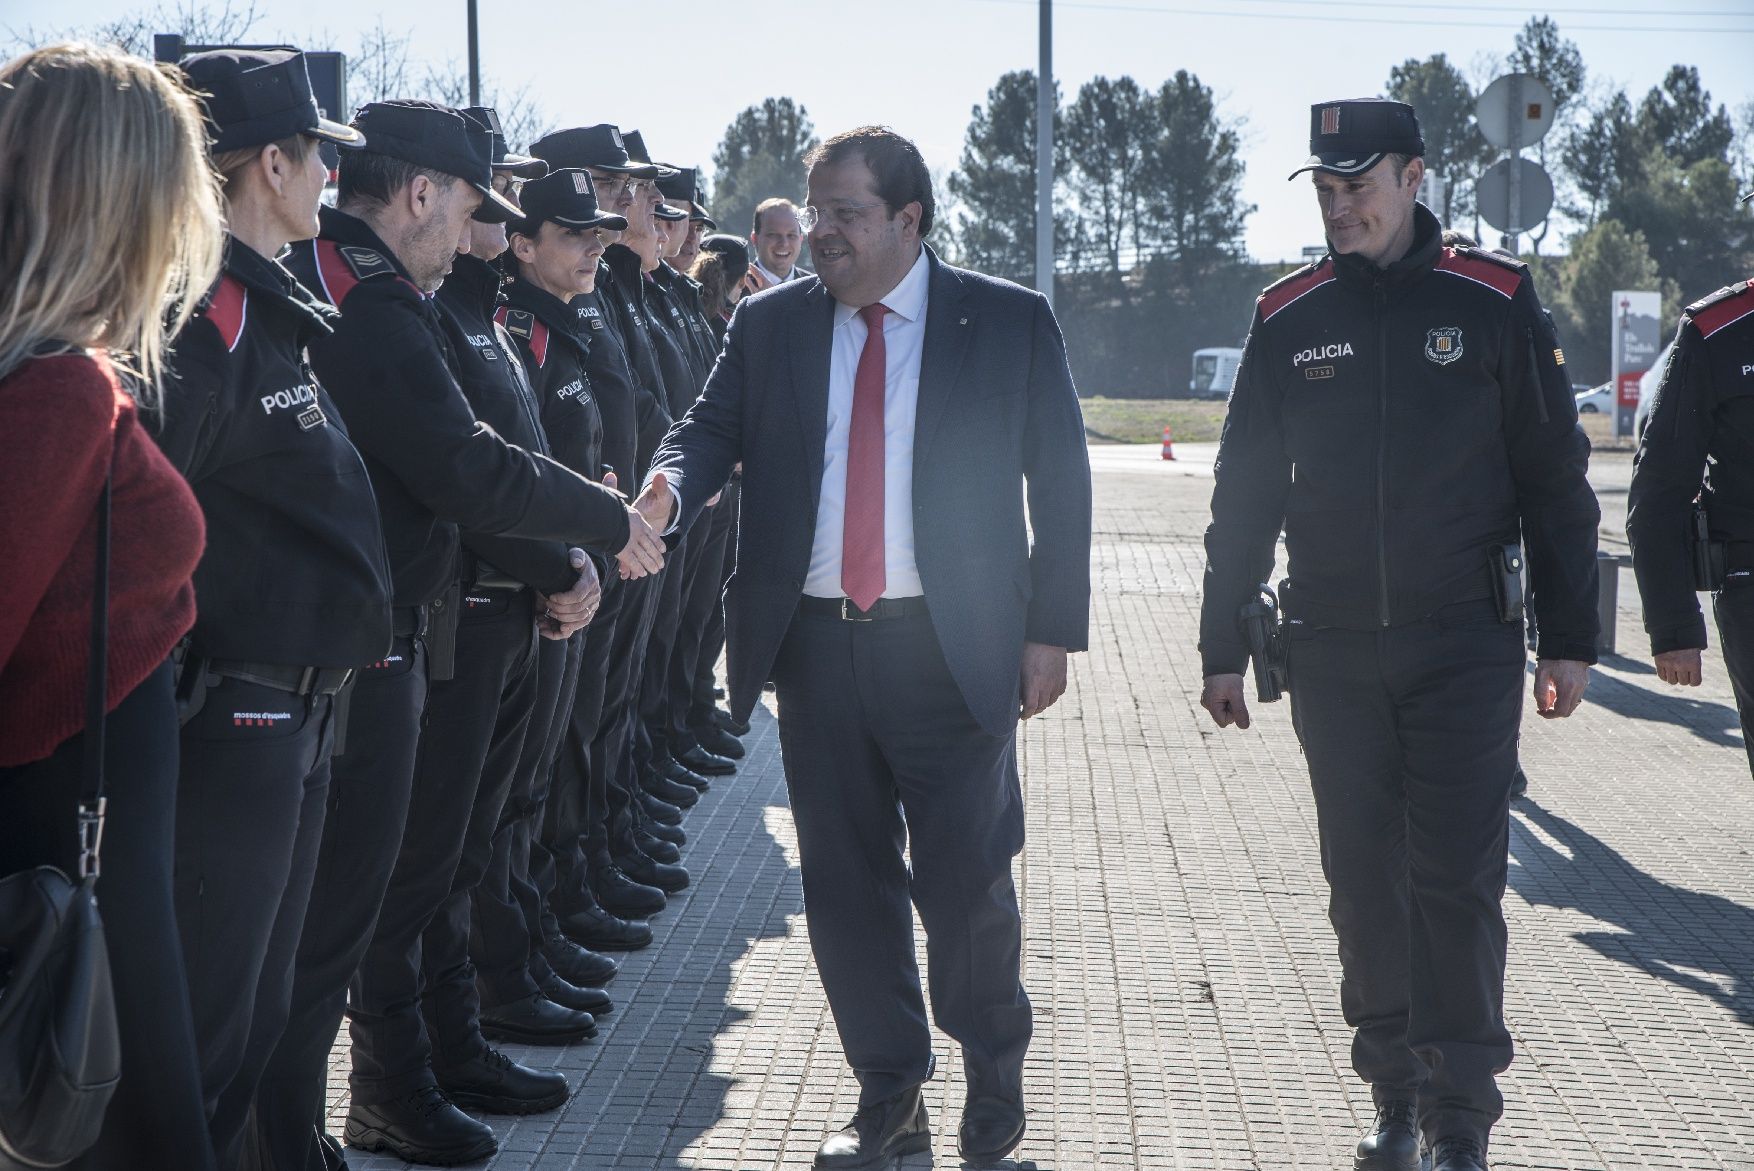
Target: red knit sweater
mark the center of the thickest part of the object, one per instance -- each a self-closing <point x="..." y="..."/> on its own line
<point x="60" y="419"/>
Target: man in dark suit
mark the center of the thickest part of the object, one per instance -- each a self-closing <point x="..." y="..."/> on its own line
<point x="888" y="414"/>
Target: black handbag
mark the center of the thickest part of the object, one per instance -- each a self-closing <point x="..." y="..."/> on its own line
<point x="60" y="1052"/>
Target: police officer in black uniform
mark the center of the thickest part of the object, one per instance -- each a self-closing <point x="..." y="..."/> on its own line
<point x="1698" y="445"/>
<point x="293" y="589"/>
<point x="391" y="367"/>
<point x="1400" y="411"/>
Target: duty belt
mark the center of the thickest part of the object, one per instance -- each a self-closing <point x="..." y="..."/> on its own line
<point x="844" y="609"/>
<point x="298" y="680"/>
<point x="408" y="621"/>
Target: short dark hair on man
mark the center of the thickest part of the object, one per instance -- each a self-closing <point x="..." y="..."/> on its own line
<point x="770" y="204"/>
<point x="1400" y="161"/>
<point x="900" y="169"/>
<point x="367" y="175"/>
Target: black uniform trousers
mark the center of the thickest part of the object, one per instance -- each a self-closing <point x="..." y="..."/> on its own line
<point x="501" y="941"/>
<point x="700" y="601"/>
<point x="651" y="733"/>
<point x="1411" y="736"/>
<point x="1734" y="606"/>
<point x="576" y="801"/>
<point x="155" y="1118"/>
<point x="367" y="808"/>
<point x="881" y="753"/>
<point x="251" y="794"/>
<point x="611" y="827"/>
<point x="472" y="733"/>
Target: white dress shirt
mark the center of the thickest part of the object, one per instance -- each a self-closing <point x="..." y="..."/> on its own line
<point x="904" y="336"/>
<point x="772" y="277"/>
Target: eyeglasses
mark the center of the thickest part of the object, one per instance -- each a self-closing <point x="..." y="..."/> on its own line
<point x="610" y="186"/>
<point x="845" y="215"/>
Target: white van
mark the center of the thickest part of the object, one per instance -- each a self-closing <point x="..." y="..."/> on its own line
<point x="1214" y="371"/>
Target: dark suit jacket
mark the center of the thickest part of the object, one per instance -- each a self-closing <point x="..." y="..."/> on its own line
<point x="997" y="409"/>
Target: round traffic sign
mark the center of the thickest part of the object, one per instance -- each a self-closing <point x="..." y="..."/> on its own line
<point x="1516" y="111"/>
<point x="1534" y="195"/>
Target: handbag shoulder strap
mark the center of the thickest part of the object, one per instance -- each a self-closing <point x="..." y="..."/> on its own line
<point x="91" y="796"/>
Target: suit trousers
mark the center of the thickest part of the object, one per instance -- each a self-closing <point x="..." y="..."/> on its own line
<point x="882" y="755"/>
<point x="155" y="1120"/>
<point x="1734" y="606"/>
<point x="251" y="793"/>
<point x="369" y="787"/>
<point x="468" y="750"/>
<point x="1411" y="737"/>
<point x="503" y="939"/>
<point x="702" y="702"/>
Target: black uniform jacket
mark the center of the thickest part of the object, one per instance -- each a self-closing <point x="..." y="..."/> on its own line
<point x="294" y="572"/>
<point x="1398" y="424"/>
<point x="498" y="390"/>
<point x="392" y="370"/>
<point x="622" y="288"/>
<point x="689" y="318"/>
<point x="613" y="385"/>
<point x="683" y="377"/>
<point x="1704" y="411"/>
<point x="555" y="347"/>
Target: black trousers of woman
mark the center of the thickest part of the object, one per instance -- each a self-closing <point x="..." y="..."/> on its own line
<point x="156" y="1119"/>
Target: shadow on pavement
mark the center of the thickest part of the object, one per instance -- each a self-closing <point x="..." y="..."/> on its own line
<point x="1715" y="723"/>
<point x="1699" y="942"/>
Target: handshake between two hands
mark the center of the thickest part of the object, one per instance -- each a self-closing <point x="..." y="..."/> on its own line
<point x="565" y="614"/>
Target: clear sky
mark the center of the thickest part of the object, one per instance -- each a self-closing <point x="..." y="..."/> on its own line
<point x="680" y="69"/>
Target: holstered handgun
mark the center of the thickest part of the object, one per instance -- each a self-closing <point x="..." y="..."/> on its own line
<point x="1710" y="558"/>
<point x="1259" y="621"/>
<point x="191" y="681"/>
<point x="1507" y="581"/>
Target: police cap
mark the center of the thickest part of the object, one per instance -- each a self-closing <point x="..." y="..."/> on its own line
<point x="699" y="214"/>
<point x="254" y="97"/>
<point x="1350" y="137"/>
<point x="682" y="187"/>
<point x="437" y="138"/>
<point x="636" y="150"/>
<point x="522" y="166"/>
<point x="734" y="254"/>
<point x="566" y="197"/>
<point x="599" y="147"/>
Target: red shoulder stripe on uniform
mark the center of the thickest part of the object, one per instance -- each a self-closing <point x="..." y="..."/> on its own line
<point x="1721" y="314"/>
<point x="335" y="273"/>
<point x="539" y="344"/>
<point x="228" y="308"/>
<point x="1291" y="289"/>
<point x="499" y="314"/>
<point x="1497" y="277"/>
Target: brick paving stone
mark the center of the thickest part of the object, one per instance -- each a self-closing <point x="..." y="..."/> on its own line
<point x="1176" y="945"/>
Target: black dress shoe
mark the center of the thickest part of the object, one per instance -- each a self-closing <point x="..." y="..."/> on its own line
<point x="495" y="1084"/>
<point x="718" y="741"/>
<point x="659" y="810"/>
<point x="537" y="1020"/>
<point x="329" y="1152"/>
<point x="594" y="1001"/>
<point x="423" y="1127"/>
<point x="576" y="965"/>
<point x="1393" y="1141"/>
<point x="620" y="895"/>
<point x="730" y="723"/>
<point x="665" y="789"/>
<point x="991" y="1129"/>
<point x="670" y="833"/>
<point x="878" y="1135"/>
<point x="1457" y="1154"/>
<point x="647" y="870"/>
<point x="656" y="848"/>
<point x="598" y="930"/>
<point x="699" y="760"/>
<point x="682" y="775"/>
<point x="718" y="693"/>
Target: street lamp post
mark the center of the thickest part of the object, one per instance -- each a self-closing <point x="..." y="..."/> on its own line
<point x="474" y="57"/>
<point x="1044" y="157"/>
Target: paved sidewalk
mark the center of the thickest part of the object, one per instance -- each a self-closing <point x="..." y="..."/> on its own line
<point x="1178" y="953"/>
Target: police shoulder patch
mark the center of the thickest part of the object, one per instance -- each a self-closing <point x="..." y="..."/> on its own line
<point x="228" y="307"/>
<point x="1724" y="307"/>
<point x="1307" y="279"/>
<point x="366" y="262"/>
<point x="518" y="322"/>
<point x="342" y="268"/>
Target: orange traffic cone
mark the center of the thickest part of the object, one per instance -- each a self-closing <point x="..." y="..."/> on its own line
<point x="1168" y="445"/>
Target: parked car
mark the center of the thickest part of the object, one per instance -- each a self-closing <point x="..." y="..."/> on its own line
<point x="1214" y="371"/>
<point x="1596" y="400"/>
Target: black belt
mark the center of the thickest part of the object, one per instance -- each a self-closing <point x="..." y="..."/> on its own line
<point x="881" y="610"/>
<point x="408" y="621"/>
<point x="298" y="680"/>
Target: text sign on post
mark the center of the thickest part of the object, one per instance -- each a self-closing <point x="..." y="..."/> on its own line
<point x="1635" y="342"/>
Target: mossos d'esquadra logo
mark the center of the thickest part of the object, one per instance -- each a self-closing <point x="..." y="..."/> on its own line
<point x="1444" y="345"/>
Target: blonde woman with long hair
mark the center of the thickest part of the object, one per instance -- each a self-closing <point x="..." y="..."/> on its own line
<point x="109" y="233"/>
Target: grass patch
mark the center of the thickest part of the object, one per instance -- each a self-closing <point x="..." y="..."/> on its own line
<point x="1600" y="428"/>
<point x="1141" y="420"/>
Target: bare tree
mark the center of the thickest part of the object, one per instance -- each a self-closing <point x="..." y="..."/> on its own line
<point x="196" y="22"/>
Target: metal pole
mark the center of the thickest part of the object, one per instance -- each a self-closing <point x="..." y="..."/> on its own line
<point x="1515" y="224"/>
<point x="474" y="57"/>
<point x="1044" y="157"/>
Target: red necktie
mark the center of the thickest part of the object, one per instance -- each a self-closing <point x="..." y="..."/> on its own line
<point x="861" y="556"/>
